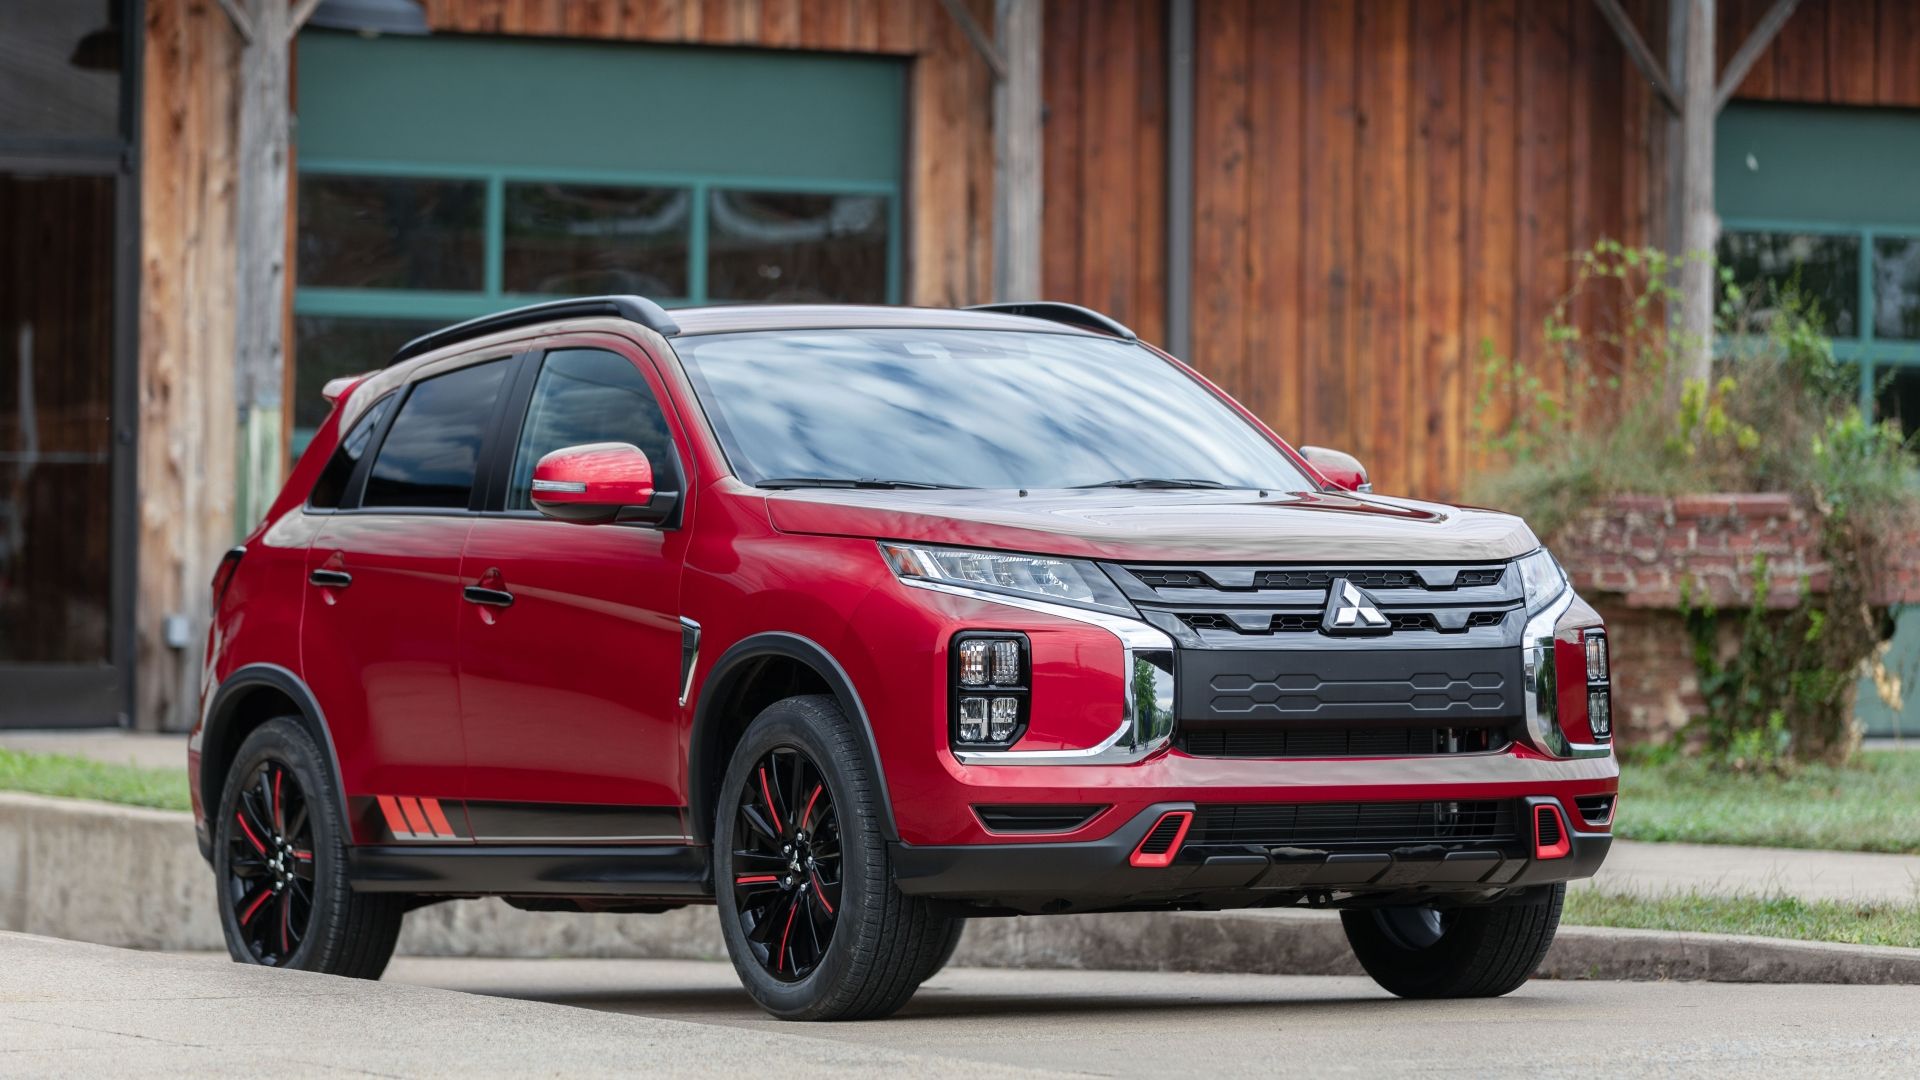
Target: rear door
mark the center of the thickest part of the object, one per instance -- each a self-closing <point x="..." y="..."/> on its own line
<point x="378" y="634"/>
<point x="570" y="660"/>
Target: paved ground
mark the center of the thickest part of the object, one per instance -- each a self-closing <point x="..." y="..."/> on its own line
<point x="1713" y="868"/>
<point x="1163" y="1025"/>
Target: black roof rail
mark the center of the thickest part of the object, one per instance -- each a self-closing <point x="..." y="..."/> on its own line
<point x="1055" y="311"/>
<point x="634" y="309"/>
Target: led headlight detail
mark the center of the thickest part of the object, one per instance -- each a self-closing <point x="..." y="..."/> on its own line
<point x="1599" y="686"/>
<point x="1541" y="579"/>
<point x="1074" y="582"/>
<point x="990" y="689"/>
<point x="1596" y="656"/>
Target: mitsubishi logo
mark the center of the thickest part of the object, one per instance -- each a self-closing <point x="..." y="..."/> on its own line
<point x="1351" y="611"/>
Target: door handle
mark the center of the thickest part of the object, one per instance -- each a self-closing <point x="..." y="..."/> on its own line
<point x="490" y="597"/>
<point x="330" y="579"/>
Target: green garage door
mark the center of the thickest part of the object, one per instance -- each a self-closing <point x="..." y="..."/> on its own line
<point x="1828" y="199"/>
<point x="443" y="178"/>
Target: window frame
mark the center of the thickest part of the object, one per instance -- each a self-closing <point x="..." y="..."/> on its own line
<point x="1869" y="353"/>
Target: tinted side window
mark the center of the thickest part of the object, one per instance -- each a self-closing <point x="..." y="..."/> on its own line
<point x="429" y="457"/>
<point x="332" y="485"/>
<point x="590" y="396"/>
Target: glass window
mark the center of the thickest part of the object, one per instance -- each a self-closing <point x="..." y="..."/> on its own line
<point x="327" y="347"/>
<point x="584" y="240"/>
<point x="332" y="485"/>
<point x="1899" y="396"/>
<point x="1896" y="287"/>
<point x="60" y="68"/>
<point x="970" y="408"/>
<point x="799" y="248"/>
<point x="429" y="456"/>
<point x="392" y="232"/>
<point x="589" y="396"/>
<point x="1824" y="270"/>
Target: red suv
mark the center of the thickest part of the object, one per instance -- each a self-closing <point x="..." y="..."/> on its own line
<point x="860" y="622"/>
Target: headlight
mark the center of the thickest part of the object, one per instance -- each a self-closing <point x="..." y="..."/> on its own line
<point x="1061" y="581"/>
<point x="1541" y="580"/>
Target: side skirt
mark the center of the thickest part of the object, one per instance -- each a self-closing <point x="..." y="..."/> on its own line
<point x="664" y="871"/>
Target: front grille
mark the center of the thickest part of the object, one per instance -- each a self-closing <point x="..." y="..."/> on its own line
<point x="1256" y="623"/>
<point x="1595" y="809"/>
<point x="1171" y="579"/>
<point x="1048" y="818"/>
<point x="1320" y="579"/>
<point x="1317" y="824"/>
<point x="1287" y="742"/>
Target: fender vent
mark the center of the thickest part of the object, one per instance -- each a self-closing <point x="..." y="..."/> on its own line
<point x="1053" y="818"/>
<point x="1163" y="840"/>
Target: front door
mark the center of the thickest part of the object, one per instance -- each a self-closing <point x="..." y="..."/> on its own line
<point x="570" y="657"/>
<point x="379" y="626"/>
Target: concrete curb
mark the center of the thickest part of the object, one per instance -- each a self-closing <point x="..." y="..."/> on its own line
<point x="125" y="876"/>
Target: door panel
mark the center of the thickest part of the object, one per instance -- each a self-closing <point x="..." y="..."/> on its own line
<point x="569" y="694"/>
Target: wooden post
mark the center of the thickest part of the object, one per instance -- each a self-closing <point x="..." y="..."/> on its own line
<point x="266" y="28"/>
<point x="1699" y="224"/>
<point x="1017" y="190"/>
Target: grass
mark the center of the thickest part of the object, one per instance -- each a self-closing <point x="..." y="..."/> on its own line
<point x="1870" y="805"/>
<point x="79" y="778"/>
<point x="1762" y="916"/>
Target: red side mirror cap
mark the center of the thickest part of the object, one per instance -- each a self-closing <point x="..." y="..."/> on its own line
<point x="1340" y="469"/>
<point x="593" y="483"/>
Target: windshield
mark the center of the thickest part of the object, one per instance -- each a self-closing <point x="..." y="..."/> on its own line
<point x="971" y="408"/>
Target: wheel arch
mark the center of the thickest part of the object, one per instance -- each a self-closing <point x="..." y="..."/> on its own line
<point x="248" y="698"/>
<point x="719" y="718"/>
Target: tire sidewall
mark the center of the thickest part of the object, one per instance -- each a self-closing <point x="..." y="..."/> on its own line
<point x="283" y="741"/>
<point x="789" y="724"/>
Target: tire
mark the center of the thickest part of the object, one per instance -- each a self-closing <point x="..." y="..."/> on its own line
<point x="279" y="860"/>
<point x="1469" y="952"/>
<point x="943" y="950"/>
<point x="859" y="952"/>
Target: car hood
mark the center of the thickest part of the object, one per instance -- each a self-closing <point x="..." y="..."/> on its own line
<point x="1164" y="526"/>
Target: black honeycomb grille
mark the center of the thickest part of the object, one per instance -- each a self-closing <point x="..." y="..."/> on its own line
<point x="1317" y="824"/>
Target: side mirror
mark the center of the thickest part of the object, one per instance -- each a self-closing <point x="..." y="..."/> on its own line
<point x="597" y="483"/>
<point x="1342" y="470"/>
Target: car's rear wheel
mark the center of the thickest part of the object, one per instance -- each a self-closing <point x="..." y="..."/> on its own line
<point x="280" y="864"/>
<point x="812" y="920"/>
<point x="1429" y="952"/>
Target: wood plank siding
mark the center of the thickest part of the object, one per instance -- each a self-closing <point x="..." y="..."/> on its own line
<point x="1831" y="52"/>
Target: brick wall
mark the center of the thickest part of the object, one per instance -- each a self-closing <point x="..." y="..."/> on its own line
<point x="1631" y="558"/>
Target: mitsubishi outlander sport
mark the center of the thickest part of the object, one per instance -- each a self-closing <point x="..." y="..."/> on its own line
<point x="858" y="623"/>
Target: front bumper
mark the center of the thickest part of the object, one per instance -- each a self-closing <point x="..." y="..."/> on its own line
<point x="1097" y="875"/>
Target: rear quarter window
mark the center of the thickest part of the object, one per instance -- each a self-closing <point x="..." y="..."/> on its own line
<point x="430" y="455"/>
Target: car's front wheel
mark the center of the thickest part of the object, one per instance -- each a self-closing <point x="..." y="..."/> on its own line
<point x="1429" y="952"/>
<point x="812" y="920"/>
<point x="280" y="853"/>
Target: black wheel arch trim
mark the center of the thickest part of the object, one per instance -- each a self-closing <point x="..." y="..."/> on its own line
<point x="701" y="792"/>
<point x="220" y="715"/>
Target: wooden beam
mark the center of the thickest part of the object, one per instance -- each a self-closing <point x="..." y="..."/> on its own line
<point x="1700" y="226"/>
<point x="1751" y="50"/>
<point x="1016" y="151"/>
<point x="982" y="44"/>
<point x="1643" y="57"/>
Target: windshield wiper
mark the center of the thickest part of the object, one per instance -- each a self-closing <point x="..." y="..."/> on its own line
<point x="1156" y="482"/>
<point x="843" y="482"/>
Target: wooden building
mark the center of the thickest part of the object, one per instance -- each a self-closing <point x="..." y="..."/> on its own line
<point x="1330" y="206"/>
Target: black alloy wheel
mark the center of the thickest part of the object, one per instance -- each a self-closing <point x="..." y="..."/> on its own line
<point x="787" y="864"/>
<point x="270" y="864"/>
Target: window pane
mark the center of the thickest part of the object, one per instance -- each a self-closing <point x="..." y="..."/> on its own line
<point x="591" y="240"/>
<point x="59" y="68"/>
<point x="1896" y="287"/>
<point x="1823" y="270"/>
<point x="1899" y="396"/>
<point x="429" y="456"/>
<point x="332" y="485"/>
<point x="326" y="347"/>
<point x="56" y="441"/>
<point x="390" y="232"/>
<point x="588" y="396"/>
<point x="802" y="248"/>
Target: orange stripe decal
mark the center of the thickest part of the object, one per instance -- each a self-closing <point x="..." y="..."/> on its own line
<point x="416" y="821"/>
<point x="396" y="824"/>
<point x="438" y="819"/>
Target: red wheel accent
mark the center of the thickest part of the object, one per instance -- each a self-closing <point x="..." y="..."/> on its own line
<point x="756" y="879"/>
<point x="779" y="957"/>
<point x="257" y="845"/>
<point x="807" y="815"/>
<point x="820" y="893"/>
<point x="771" y="807"/>
<point x="785" y="864"/>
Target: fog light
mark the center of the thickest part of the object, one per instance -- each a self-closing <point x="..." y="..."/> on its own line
<point x="973" y="662"/>
<point x="1596" y="657"/>
<point x="1600" y="713"/>
<point x="973" y="719"/>
<point x="1006" y="662"/>
<point x="1005" y="718"/>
